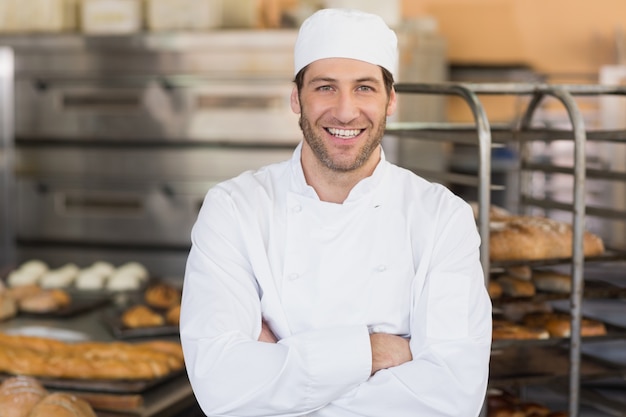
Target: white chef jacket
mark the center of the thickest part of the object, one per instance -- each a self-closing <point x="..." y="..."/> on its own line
<point x="399" y="256"/>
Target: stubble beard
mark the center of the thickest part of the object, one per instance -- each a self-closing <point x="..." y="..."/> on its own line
<point x="316" y="143"/>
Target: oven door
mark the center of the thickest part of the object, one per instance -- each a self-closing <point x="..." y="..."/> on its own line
<point x="156" y="109"/>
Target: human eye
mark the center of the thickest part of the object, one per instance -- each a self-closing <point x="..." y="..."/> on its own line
<point x="365" y="88"/>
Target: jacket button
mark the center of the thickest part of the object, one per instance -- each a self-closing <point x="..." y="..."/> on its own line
<point x="293" y="276"/>
<point x="381" y="268"/>
<point x="297" y="209"/>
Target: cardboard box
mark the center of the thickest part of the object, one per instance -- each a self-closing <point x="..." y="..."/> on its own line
<point x="183" y="14"/>
<point x="111" y="16"/>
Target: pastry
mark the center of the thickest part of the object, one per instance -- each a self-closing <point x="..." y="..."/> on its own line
<point x="103" y="268"/>
<point x="19" y="278"/>
<point x="45" y="301"/>
<point x="141" y="316"/>
<point x="123" y="281"/>
<point x="8" y="306"/>
<point x="172" y="315"/>
<point x="89" y="279"/>
<point x="134" y="269"/>
<point x="60" y="278"/>
<point x="19" y="394"/>
<point x="552" y="281"/>
<point x="494" y="289"/>
<point x="61" y="404"/>
<point x="23" y="291"/>
<point x="536" y="237"/>
<point x="162" y="296"/>
<point x="515" y="287"/>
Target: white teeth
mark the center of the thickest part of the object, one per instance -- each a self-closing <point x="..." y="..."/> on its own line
<point x="344" y="133"/>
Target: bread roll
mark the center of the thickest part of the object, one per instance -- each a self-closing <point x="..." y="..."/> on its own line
<point x="553" y="282"/>
<point x="141" y="316"/>
<point x="60" y="278"/>
<point x="515" y="287"/>
<point x="162" y="295"/>
<point x="89" y="279"/>
<point x="61" y="404"/>
<point x="20" y="278"/>
<point x="18" y="395"/>
<point x="535" y="237"/>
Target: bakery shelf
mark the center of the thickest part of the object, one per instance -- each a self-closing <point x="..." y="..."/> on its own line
<point x="567" y="362"/>
<point x="519" y="365"/>
<point x="613" y="333"/>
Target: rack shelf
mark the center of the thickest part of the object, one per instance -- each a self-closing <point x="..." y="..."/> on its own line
<point x="572" y="365"/>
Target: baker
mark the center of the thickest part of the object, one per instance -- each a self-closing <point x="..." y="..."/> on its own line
<point x="336" y="283"/>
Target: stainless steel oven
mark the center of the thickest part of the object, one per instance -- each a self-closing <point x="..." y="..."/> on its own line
<point x="119" y="138"/>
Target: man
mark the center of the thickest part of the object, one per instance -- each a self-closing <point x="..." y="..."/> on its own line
<point x="335" y="283"/>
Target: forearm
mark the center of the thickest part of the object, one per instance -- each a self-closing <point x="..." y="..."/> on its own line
<point x="242" y="377"/>
<point x="430" y="384"/>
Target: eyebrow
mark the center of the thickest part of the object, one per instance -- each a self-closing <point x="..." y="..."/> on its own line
<point x="358" y="80"/>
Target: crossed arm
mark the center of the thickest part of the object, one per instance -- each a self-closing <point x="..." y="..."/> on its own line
<point x="388" y="350"/>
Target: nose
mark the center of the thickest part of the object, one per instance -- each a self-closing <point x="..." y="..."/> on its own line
<point x="346" y="107"/>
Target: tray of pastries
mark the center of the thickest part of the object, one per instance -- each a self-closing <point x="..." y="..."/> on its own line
<point x="156" y="312"/>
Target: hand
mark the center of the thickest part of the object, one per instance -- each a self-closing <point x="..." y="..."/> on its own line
<point x="389" y="350"/>
<point x="266" y="334"/>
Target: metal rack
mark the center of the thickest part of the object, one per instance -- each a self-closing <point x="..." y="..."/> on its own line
<point x="6" y="157"/>
<point x="486" y="137"/>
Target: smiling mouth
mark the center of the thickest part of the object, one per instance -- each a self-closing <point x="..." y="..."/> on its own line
<point x="344" y="133"/>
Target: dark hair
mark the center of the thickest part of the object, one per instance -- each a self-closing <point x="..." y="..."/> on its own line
<point x="387" y="78"/>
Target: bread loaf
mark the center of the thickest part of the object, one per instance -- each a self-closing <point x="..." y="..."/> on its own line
<point x="18" y="395"/>
<point x="515" y="287"/>
<point x="559" y="324"/>
<point x="552" y="281"/>
<point x="535" y="237"/>
<point x="60" y="404"/>
<point x="36" y="356"/>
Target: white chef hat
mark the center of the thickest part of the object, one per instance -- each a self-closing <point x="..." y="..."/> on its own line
<point x="346" y="33"/>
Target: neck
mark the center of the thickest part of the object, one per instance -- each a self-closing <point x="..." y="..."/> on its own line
<point x="330" y="185"/>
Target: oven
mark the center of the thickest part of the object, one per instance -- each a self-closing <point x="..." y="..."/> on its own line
<point x="118" y="139"/>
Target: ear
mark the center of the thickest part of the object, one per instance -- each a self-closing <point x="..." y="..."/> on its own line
<point x="393" y="102"/>
<point x="295" y="101"/>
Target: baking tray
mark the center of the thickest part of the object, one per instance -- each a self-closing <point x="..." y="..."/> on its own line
<point x="541" y="365"/>
<point x="114" y="322"/>
<point x="105" y="385"/>
<point x="612" y="333"/>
